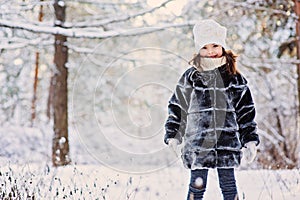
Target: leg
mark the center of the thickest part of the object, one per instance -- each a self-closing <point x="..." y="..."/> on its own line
<point x="227" y="183"/>
<point x="197" y="184"/>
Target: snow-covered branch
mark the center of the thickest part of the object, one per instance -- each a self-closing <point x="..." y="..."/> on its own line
<point x="16" y="43"/>
<point x="8" y="9"/>
<point x="271" y="63"/>
<point x="97" y="2"/>
<point x="249" y="6"/>
<point x="84" y="50"/>
<point x="115" y="19"/>
<point x="85" y="33"/>
<point x="277" y="61"/>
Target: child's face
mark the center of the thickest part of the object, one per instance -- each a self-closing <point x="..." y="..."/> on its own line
<point x="211" y="51"/>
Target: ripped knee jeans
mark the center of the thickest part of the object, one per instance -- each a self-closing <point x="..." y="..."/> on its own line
<point x="198" y="183"/>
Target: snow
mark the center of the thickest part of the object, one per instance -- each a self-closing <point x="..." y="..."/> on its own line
<point x="58" y="22"/>
<point x="25" y="165"/>
<point x="61" y="141"/>
<point x="91" y="181"/>
<point x="61" y="3"/>
<point x="25" y="153"/>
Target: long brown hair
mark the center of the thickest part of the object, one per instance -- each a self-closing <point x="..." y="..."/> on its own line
<point x="230" y="59"/>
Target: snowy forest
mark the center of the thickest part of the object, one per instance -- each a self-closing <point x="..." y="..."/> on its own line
<point x="85" y="86"/>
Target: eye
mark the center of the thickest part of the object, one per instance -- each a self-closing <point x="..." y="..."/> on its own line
<point x="203" y="48"/>
<point x="215" y="45"/>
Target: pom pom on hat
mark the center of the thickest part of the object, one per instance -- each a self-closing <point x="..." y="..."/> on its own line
<point x="209" y="31"/>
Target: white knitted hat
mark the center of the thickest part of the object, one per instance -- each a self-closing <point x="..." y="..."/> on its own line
<point x="209" y="31"/>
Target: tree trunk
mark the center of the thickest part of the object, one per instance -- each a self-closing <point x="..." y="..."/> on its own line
<point x="297" y="11"/>
<point x="35" y="84"/>
<point x="36" y="74"/>
<point x="50" y="98"/>
<point x="60" y="148"/>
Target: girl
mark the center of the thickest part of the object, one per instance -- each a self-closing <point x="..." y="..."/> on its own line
<point x="212" y="112"/>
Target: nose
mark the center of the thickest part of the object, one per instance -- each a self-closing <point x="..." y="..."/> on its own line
<point x="210" y="52"/>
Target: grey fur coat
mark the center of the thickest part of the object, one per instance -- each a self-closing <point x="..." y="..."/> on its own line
<point x="212" y="112"/>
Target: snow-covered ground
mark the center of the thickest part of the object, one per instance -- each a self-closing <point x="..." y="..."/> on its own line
<point x="96" y="181"/>
<point x="25" y="167"/>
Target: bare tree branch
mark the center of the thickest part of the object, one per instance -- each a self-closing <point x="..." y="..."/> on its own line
<point x="275" y="143"/>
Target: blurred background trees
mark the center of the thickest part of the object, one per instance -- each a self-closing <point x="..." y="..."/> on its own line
<point x="50" y="47"/>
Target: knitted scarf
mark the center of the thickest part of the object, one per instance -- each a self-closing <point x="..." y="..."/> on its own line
<point x="207" y="64"/>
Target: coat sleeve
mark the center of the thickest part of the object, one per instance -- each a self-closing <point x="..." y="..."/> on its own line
<point x="177" y="109"/>
<point x="245" y="111"/>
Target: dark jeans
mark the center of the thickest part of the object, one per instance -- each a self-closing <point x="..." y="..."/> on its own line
<point x="226" y="181"/>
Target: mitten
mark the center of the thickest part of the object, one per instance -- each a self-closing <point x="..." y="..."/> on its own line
<point x="173" y="145"/>
<point x="249" y="152"/>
